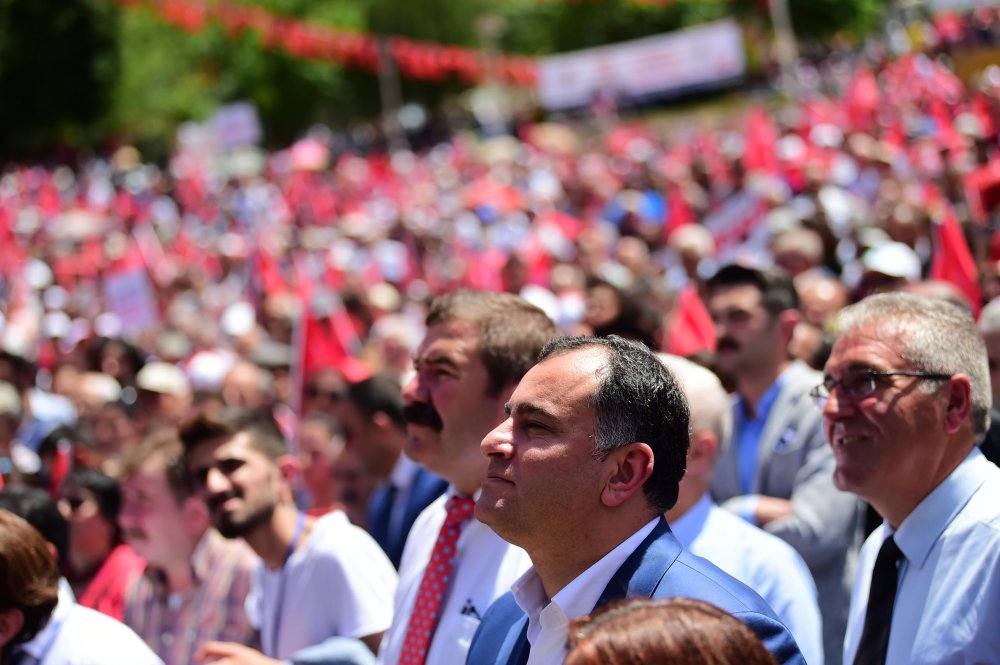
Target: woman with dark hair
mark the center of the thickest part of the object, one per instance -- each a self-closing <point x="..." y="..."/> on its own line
<point x="680" y="631"/>
<point x="100" y="567"/>
<point x="29" y="582"/>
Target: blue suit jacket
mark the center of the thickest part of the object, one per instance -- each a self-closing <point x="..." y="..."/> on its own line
<point x="425" y="488"/>
<point x="659" y="568"/>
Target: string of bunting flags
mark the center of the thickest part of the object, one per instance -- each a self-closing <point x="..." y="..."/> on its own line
<point x="312" y="41"/>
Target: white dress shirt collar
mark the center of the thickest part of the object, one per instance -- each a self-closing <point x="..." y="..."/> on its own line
<point x="548" y="620"/>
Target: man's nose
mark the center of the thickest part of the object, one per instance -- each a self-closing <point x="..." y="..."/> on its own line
<point x="499" y="442"/>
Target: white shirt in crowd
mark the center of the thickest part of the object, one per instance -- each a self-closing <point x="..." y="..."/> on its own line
<point x="485" y="566"/>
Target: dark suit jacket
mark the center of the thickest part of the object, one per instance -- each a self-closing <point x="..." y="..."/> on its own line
<point x="425" y="488"/>
<point x="659" y="568"/>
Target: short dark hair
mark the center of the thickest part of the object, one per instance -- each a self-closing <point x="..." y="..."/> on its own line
<point x="777" y="291"/>
<point x="36" y="507"/>
<point x="29" y="576"/>
<point x="106" y="490"/>
<point x="512" y="331"/>
<point x="637" y="399"/>
<point x="166" y="445"/>
<point x="211" y="425"/>
<point x="380" y="393"/>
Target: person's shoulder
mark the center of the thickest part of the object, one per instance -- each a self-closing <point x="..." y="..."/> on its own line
<point x="334" y="533"/>
<point x="746" y="537"/>
<point x="694" y="577"/>
<point x="98" y="638"/>
<point x="981" y="515"/>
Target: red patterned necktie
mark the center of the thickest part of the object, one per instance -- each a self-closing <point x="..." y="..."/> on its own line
<point x="434" y="583"/>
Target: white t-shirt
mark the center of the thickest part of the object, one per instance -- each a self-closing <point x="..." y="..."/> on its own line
<point x="338" y="583"/>
<point x="485" y="566"/>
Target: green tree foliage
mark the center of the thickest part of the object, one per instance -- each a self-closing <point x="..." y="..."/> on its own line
<point x="169" y="76"/>
<point x="83" y="70"/>
<point x="57" y="68"/>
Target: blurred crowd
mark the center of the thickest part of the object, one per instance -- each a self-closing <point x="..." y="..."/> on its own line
<point x="134" y="295"/>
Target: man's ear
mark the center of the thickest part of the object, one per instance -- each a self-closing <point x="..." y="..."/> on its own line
<point x="11" y="622"/>
<point x="701" y="454"/>
<point x="632" y="467"/>
<point x="959" y="402"/>
<point x="289" y="467"/>
<point x="787" y="320"/>
<point x="195" y="514"/>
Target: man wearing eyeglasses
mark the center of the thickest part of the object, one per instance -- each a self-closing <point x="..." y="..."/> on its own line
<point x="905" y="391"/>
<point x="776" y="470"/>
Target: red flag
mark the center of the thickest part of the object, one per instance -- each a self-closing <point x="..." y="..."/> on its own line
<point x="691" y="329"/>
<point x="862" y="98"/>
<point x="952" y="261"/>
<point x="761" y="137"/>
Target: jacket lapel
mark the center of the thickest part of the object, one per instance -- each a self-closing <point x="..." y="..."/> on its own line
<point x="641" y="573"/>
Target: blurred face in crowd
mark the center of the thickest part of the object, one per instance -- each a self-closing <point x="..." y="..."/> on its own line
<point x="91" y="536"/>
<point x="747" y="335"/>
<point x="318" y="450"/>
<point x="322" y="391"/>
<point x="152" y="516"/>
<point x="239" y="484"/>
<point x="447" y="406"/>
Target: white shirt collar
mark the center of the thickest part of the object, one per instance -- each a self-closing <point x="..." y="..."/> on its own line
<point x="403" y="473"/>
<point x="578" y="597"/>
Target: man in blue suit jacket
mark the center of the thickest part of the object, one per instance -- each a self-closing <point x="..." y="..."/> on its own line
<point x="371" y="414"/>
<point x="579" y="475"/>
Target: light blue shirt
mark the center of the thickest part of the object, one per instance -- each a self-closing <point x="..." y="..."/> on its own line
<point x="947" y="606"/>
<point x="763" y="562"/>
<point x="747" y="430"/>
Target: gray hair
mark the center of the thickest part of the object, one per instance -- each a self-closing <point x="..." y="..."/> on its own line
<point x="937" y="337"/>
<point x="709" y="403"/>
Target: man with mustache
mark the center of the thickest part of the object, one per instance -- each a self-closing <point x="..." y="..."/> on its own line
<point x="477" y="347"/>
<point x="196" y="581"/>
<point x="319" y="579"/>
<point x="776" y="470"/>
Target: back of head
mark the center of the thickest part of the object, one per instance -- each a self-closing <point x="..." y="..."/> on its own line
<point x="777" y="291"/>
<point x="36" y="507"/>
<point x="512" y="331"/>
<point x="989" y="318"/>
<point x="936" y="336"/>
<point x="29" y="577"/>
<point x="380" y="393"/>
<point x="223" y="424"/>
<point x="707" y="399"/>
<point x="637" y="400"/>
<point x="680" y="631"/>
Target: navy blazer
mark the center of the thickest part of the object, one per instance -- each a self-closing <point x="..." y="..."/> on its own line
<point x="425" y="488"/>
<point x="659" y="568"/>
